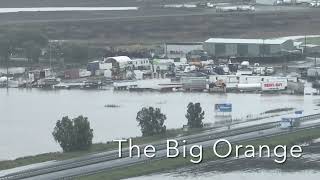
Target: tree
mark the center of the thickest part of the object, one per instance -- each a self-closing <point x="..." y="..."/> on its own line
<point x="5" y="50"/>
<point x="195" y="115"/>
<point x="83" y="132"/>
<point x="18" y="37"/>
<point x="29" y="41"/>
<point x="75" y="53"/>
<point x="151" y="121"/>
<point x="74" y="134"/>
<point x="32" y="51"/>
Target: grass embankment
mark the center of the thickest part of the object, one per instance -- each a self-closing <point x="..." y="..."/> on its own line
<point x="169" y="164"/>
<point x="311" y="40"/>
<point x="95" y="148"/>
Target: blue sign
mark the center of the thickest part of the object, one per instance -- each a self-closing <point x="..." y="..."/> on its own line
<point x="223" y="107"/>
<point x="298" y="112"/>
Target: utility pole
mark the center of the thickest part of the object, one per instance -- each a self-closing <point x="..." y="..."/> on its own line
<point x="50" y="55"/>
<point x="305" y="45"/>
<point x="315" y="60"/>
<point x="7" y="57"/>
<point x="7" y="64"/>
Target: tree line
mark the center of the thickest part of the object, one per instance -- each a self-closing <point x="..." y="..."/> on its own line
<point x="76" y="134"/>
<point x="24" y="42"/>
<point x="34" y="45"/>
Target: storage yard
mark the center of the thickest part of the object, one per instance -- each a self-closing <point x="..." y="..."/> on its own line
<point x="218" y="65"/>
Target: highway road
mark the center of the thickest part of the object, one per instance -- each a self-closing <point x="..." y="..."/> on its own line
<point x="123" y="162"/>
<point x="103" y="161"/>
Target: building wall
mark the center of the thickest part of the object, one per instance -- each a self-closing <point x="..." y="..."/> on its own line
<point x="231" y="49"/>
<point x="253" y="50"/>
<point x="220" y="49"/>
<point x="242" y="49"/>
<point x="247" y="50"/>
<point x="209" y="48"/>
<point x="275" y="48"/>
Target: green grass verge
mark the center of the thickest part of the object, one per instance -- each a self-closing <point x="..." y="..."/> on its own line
<point x="95" y="148"/>
<point x="311" y="40"/>
<point x="169" y="164"/>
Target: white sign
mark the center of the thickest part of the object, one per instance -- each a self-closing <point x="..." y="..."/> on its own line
<point x="267" y="86"/>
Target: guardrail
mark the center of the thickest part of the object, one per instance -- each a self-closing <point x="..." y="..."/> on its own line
<point x="240" y="141"/>
<point x="69" y="164"/>
<point x="310" y="117"/>
<point x="113" y="156"/>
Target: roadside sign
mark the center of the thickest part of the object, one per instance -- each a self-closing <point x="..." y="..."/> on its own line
<point x="223" y="107"/>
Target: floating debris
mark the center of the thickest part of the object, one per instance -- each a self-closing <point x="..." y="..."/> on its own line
<point x="111" y="106"/>
<point x="161" y="102"/>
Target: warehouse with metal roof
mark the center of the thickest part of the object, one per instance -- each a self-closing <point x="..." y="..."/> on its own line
<point x="226" y="47"/>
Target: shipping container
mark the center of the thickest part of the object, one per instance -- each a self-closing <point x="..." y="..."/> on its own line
<point x="71" y="74"/>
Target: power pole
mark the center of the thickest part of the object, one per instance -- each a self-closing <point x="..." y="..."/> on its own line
<point x="305" y="45"/>
<point x="50" y="56"/>
<point x="7" y="64"/>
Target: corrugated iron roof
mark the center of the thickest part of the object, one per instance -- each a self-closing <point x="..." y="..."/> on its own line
<point x="119" y="59"/>
<point x="246" y="41"/>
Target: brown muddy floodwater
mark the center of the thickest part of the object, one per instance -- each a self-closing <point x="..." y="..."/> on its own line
<point x="27" y="117"/>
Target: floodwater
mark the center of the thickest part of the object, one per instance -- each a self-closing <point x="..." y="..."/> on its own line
<point x="53" y="9"/>
<point x="239" y="175"/>
<point x="28" y="116"/>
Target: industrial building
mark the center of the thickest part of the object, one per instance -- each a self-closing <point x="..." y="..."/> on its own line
<point x="248" y="48"/>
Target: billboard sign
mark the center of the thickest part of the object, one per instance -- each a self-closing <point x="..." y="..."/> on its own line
<point x="268" y="86"/>
<point x="223" y="107"/>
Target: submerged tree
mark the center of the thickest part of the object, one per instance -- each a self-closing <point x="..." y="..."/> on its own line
<point x="151" y="121"/>
<point x="73" y="135"/>
<point x="195" y="115"/>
